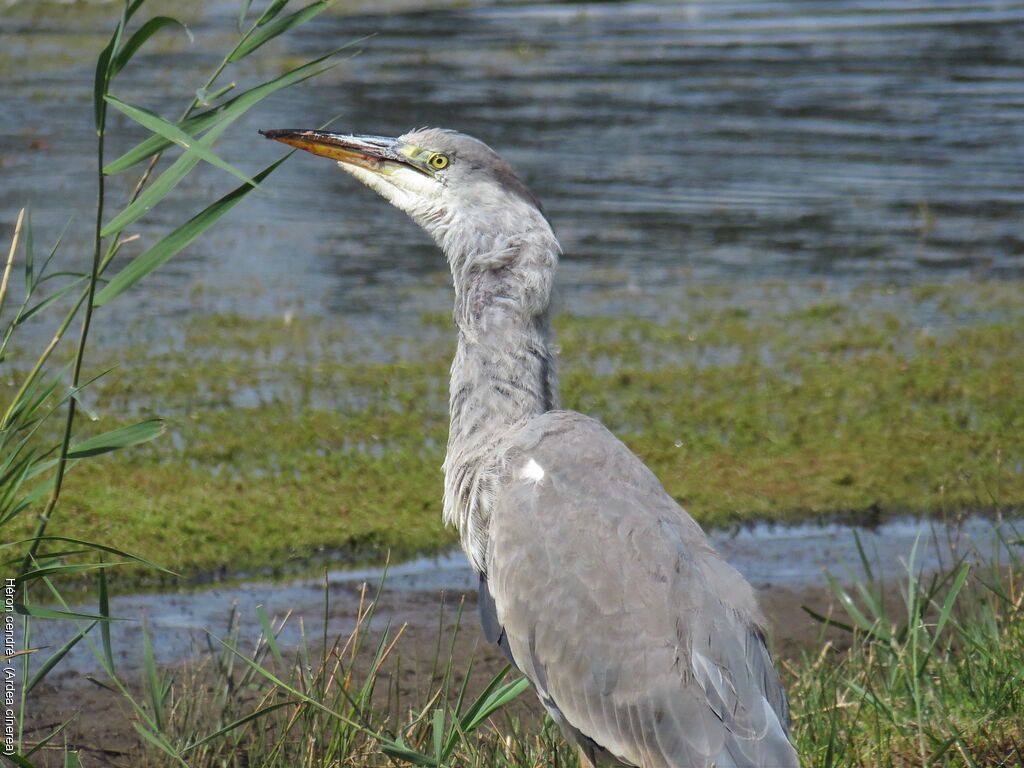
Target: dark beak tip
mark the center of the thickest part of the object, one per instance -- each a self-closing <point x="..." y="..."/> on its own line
<point x="280" y="133"/>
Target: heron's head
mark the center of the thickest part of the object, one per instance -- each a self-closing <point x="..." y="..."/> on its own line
<point x="454" y="186"/>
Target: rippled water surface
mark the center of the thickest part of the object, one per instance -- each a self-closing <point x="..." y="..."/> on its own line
<point x="670" y="142"/>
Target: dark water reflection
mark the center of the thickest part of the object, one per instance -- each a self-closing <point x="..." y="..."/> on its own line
<point x="679" y="141"/>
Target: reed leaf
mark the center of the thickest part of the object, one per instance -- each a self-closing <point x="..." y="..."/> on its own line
<point x="239" y="103"/>
<point x="166" y="181"/>
<point x="104" y="610"/>
<point x="157" y="741"/>
<point x="173" y="133"/>
<point x="266" y="32"/>
<point x="56" y="657"/>
<point x="57" y="570"/>
<point x="19" y="761"/>
<point x="91" y="545"/>
<point x="180" y="238"/>
<point x="243" y="11"/>
<point x="272" y="10"/>
<point x="116" y="439"/>
<point x="53" y="297"/>
<point x="239" y="722"/>
<point x="154" y="687"/>
<point x="42" y="612"/>
<point x="138" y="39"/>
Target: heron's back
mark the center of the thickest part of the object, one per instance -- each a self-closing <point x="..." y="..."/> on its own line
<point x="641" y="640"/>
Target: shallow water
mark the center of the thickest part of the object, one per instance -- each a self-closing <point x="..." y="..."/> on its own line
<point x="675" y="142"/>
<point x="769" y="556"/>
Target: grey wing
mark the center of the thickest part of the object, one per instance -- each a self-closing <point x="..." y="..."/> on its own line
<point x="640" y="640"/>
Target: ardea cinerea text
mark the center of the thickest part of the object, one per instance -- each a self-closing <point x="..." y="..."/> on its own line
<point x="645" y="646"/>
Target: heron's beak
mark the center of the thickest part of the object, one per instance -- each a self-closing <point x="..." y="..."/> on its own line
<point x="375" y="153"/>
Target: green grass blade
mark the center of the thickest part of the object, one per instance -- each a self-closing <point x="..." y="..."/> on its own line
<point x="41" y="612"/>
<point x="204" y="120"/>
<point x="104" y="610"/>
<point x="105" y="62"/>
<point x="102" y="78"/>
<point x="71" y="760"/>
<point x="859" y="619"/>
<point x="28" y="500"/>
<point x="272" y="10"/>
<point x="101" y="684"/>
<point x="266" y="673"/>
<point x="165" y="182"/>
<point x="33" y="398"/>
<point x="91" y="545"/>
<point x="138" y="39"/>
<point x="827" y="620"/>
<point x="158" y="143"/>
<point x="243" y="11"/>
<point x="152" y="258"/>
<point x="59" y="654"/>
<point x="42" y="557"/>
<point x="49" y="737"/>
<point x="55" y="296"/>
<point x="19" y="761"/>
<point x="143" y="432"/>
<point x="238" y="723"/>
<point x="268" y="632"/>
<point x="437" y="728"/>
<point x="30" y="260"/>
<point x="865" y="561"/>
<point x="270" y="30"/>
<point x="946" y="611"/>
<point x="61" y="570"/>
<point x="205" y="98"/>
<point x="402" y="752"/>
<point x="152" y="678"/>
<point x="470" y="714"/>
<point x="490" y="702"/>
<point x="157" y="741"/>
<point x="62" y="273"/>
<point x="132" y="8"/>
<point x="173" y="133"/>
<point x="14" y="476"/>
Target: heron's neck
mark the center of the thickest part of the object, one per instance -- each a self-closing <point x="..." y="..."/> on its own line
<point x="503" y="372"/>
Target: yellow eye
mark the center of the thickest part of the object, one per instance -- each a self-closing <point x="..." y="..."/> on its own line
<point x="438" y="162"/>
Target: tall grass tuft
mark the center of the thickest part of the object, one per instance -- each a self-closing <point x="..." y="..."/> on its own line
<point x="933" y="678"/>
<point x="42" y="434"/>
<point x="328" y="702"/>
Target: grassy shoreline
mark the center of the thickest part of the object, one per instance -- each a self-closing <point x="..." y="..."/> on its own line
<point x="289" y="440"/>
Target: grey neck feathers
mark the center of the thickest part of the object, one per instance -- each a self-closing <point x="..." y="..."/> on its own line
<point x="503" y="372"/>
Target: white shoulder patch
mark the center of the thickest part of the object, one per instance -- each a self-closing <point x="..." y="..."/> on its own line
<point x="532" y="471"/>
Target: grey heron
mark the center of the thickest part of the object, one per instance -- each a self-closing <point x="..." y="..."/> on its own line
<point x="644" y="645"/>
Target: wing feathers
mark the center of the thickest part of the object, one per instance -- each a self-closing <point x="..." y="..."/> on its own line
<point x="635" y="632"/>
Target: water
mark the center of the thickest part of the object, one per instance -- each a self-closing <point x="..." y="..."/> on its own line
<point x="671" y="142"/>
<point x="769" y="556"/>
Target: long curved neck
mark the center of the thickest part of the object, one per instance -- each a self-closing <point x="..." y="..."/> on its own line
<point x="503" y="372"/>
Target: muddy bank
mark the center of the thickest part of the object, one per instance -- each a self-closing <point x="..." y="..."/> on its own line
<point x="771" y="557"/>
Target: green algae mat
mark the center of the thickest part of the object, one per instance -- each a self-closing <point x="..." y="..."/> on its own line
<point x="293" y="440"/>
